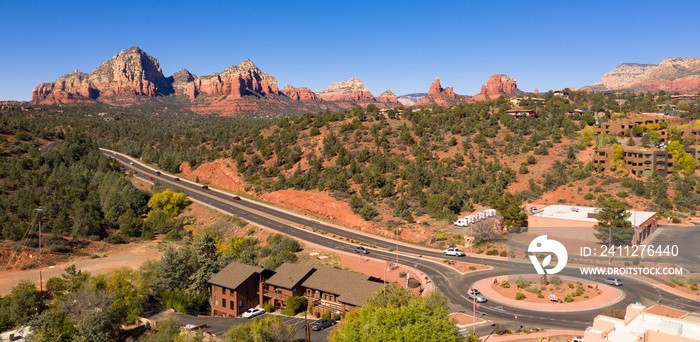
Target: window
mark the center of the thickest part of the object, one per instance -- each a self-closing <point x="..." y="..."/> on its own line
<point x="216" y="300"/>
<point x="223" y="290"/>
<point x="310" y="292"/>
<point x="347" y="307"/>
<point x="216" y="288"/>
<point x="223" y="302"/>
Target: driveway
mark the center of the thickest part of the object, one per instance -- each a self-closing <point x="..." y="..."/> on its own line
<point x="217" y="326"/>
<point x="687" y="238"/>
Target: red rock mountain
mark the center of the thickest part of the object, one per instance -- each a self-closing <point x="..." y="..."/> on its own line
<point x="300" y="94"/>
<point x="672" y="75"/>
<point x="497" y="86"/>
<point x="437" y="96"/>
<point x="351" y="90"/>
<point x="131" y="73"/>
<point x="233" y="83"/>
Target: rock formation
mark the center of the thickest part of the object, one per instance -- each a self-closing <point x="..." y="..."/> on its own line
<point x="129" y="73"/>
<point x="676" y="74"/>
<point x="133" y="77"/>
<point x="300" y="94"/>
<point x="387" y="97"/>
<point x="351" y="90"/>
<point x="437" y="96"/>
<point x="233" y="83"/>
<point x="496" y="86"/>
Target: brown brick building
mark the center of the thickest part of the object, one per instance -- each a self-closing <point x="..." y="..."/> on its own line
<point x="239" y="287"/>
<point x="641" y="161"/>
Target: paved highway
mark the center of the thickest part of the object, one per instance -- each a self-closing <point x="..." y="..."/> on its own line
<point x="450" y="282"/>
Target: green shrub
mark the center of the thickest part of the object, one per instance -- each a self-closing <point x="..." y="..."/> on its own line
<point x="676" y="220"/>
<point x="522" y="283"/>
<point x="327" y="314"/>
<point x="505" y="284"/>
<point x="504" y="254"/>
<point x="402" y="274"/>
<point x="441" y="237"/>
<point x="571" y="286"/>
<point x="678" y="280"/>
<point x="472" y="268"/>
<point x="622" y="194"/>
<point x="532" y="289"/>
<point x="268" y="307"/>
<point x="294" y="306"/>
<point x="569" y="298"/>
<point x="413" y="283"/>
<point x="588" y="196"/>
<point x="579" y="290"/>
<point x="492" y="252"/>
<point x="540" y="296"/>
<point x="556" y="280"/>
<point x="519" y="296"/>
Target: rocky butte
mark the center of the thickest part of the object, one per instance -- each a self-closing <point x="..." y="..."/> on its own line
<point x="130" y="74"/>
<point x="672" y="75"/>
<point x="496" y="86"/>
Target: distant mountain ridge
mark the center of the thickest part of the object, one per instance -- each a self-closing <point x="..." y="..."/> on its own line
<point x="133" y="77"/>
<point x="673" y="74"/>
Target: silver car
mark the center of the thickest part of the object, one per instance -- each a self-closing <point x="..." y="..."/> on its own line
<point x="613" y="281"/>
<point x="476" y="295"/>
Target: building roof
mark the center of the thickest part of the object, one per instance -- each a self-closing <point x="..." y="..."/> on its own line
<point x="351" y="288"/>
<point x="289" y="276"/>
<point x="565" y="212"/>
<point x="638" y="324"/>
<point x="234" y="274"/>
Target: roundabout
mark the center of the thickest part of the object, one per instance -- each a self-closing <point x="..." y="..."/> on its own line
<point x="604" y="296"/>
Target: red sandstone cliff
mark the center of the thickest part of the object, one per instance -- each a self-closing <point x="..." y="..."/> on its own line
<point x="496" y="86"/>
<point x="129" y="73"/>
<point x="437" y="96"/>
<point x="299" y="94"/>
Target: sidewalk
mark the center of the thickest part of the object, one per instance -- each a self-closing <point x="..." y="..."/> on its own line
<point x="566" y="335"/>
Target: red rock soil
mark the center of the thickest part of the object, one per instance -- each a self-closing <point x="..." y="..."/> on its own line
<point x="532" y="297"/>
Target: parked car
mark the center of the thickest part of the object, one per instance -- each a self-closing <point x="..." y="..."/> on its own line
<point x="553" y="298"/>
<point x="360" y="249"/>
<point x="205" y="187"/>
<point x="236" y="197"/>
<point x="613" y="281"/>
<point x="322" y="324"/>
<point x="252" y="312"/>
<point x="476" y="295"/>
<point x="453" y="252"/>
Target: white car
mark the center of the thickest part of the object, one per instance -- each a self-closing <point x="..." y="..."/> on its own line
<point x="131" y="163"/>
<point x="252" y="312"/>
<point x="453" y="252"/>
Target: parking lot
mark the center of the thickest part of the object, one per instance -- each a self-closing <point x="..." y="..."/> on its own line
<point x="217" y="326"/>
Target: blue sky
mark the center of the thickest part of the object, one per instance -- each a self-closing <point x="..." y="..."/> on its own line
<point x="396" y="45"/>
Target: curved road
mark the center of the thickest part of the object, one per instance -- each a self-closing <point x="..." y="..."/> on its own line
<point x="450" y="282"/>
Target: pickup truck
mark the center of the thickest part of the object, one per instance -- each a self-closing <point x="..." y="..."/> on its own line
<point x="453" y="252"/>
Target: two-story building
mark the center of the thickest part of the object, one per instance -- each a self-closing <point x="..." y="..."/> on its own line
<point x="239" y="287"/>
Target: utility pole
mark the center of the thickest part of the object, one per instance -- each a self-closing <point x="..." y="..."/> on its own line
<point x="41" y="281"/>
<point x="397" y="246"/>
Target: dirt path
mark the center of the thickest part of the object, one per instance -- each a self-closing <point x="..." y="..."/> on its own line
<point x="131" y="257"/>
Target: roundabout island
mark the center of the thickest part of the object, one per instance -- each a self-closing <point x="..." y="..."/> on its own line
<point x="564" y="294"/>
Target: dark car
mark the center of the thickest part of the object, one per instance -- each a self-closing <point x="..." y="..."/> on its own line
<point x="360" y="249"/>
<point x="177" y="179"/>
<point x="157" y="173"/>
<point x="322" y="324"/>
<point x="236" y="198"/>
<point x="205" y="187"/>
